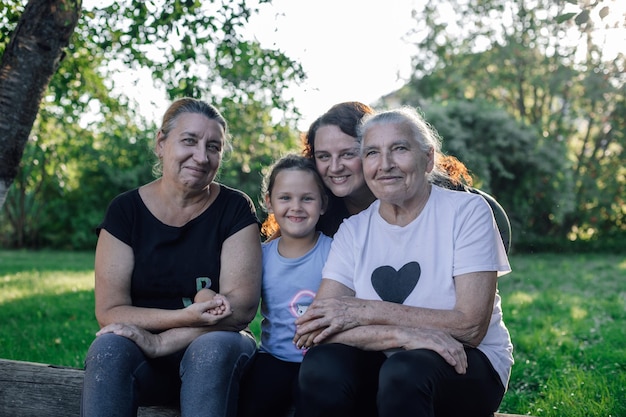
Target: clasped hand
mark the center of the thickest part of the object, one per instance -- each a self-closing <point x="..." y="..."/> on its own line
<point x="209" y="313"/>
<point x="325" y="318"/>
<point x="330" y="316"/>
<point x="200" y="314"/>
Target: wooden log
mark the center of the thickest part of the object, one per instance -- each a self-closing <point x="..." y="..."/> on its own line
<point x="30" y="389"/>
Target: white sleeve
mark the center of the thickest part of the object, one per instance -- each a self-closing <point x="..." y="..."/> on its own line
<point x="478" y="246"/>
<point x="340" y="265"/>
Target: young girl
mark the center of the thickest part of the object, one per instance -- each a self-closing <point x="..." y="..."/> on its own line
<point x="292" y="270"/>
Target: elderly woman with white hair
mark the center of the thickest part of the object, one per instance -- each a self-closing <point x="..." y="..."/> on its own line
<point x="407" y="321"/>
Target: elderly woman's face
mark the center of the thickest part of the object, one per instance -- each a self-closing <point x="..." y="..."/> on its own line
<point x="192" y="152"/>
<point x="394" y="166"/>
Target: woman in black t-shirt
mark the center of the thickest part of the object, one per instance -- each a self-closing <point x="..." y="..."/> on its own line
<point x="157" y="246"/>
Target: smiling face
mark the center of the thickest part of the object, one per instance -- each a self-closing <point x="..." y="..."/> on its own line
<point x="394" y="166"/>
<point x="338" y="162"/>
<point x="296" y="202"/>
<point x="192" y="151"/>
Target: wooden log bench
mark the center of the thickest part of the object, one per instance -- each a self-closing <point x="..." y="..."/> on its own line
<point x="30" y="389"/>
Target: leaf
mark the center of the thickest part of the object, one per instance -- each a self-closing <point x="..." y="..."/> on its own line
<point x="604" y="12"/>
<point x="582" y="18"/>
<point x="562" y="18"/>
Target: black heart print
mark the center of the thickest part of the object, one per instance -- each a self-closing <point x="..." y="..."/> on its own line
<point x="395" y="286"/>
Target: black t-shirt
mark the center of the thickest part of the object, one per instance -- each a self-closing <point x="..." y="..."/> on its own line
<point x="173" y="263"/>
<point x="335" y="214"/>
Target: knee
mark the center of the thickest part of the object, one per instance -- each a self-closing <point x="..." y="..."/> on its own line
<point x="111" y="355"/>
<point x="313" y="370"/>
<point x="407" y="369"/>
<point x="110" y="348"/>
<point x="218" y="349"/>
<point x="394" y="371"/>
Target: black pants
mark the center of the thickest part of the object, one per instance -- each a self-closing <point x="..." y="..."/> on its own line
<point x="339" y="380"/>
<point x="268" y="387"/>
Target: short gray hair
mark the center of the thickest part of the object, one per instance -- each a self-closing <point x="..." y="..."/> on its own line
<point x="421" y="131"/>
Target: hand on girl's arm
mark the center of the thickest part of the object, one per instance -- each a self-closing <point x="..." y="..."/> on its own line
<point x="328" y="316"/>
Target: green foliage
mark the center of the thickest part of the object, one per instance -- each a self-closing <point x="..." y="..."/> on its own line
<point x="583" y="15"/>
<point x="9" y="14"/>
<point x="506" y="161"/>
<point x="257" y="143"/>
<point x="565" y="314"/>
<point x="522" y="60"/>
<point x="89" y="144"/>
<point x="68" y="176"/>
<point x="194" y="48"/>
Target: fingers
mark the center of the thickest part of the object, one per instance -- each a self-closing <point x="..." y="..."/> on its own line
<point x="320" y="336"/>
<point x="454" y="353"/>
<point x="306" y="340"/>
<point x="306" y="328"/>
<point x="450" y="349"/>
<point x="463" y="363"/>
<point x="114" y="328"/>
<point x="208" y="313"/>
<point x="307" y="316"/>
<point x="457" y="359"/>
<point x="318" y="309"/>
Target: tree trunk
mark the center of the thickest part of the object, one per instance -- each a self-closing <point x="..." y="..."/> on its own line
<point x="29" y="61"/>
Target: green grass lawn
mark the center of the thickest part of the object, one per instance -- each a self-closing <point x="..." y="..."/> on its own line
<point x="566" y="314"/>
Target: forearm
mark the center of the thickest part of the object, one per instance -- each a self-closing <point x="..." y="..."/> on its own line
<point x="174" y="340"/>
<point x="453" y="322"/>
<point x="152" y="319"/>
<point x="373" y="338"/>
<point x="200" y="314"/>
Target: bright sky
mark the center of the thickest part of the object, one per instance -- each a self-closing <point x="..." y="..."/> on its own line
<point x="349" y="49"/>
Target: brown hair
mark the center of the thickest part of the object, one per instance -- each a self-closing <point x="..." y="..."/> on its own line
<point x="189" y="105"/>
<point x="346" y="116"/>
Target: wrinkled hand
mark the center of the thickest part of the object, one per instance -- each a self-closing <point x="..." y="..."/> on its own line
<point x="305" y="341"/>
<point x="209" y="313"/>
<point x="439" y="341"/>
<point x="325" y="318"/>
<point x="148" y="342"/>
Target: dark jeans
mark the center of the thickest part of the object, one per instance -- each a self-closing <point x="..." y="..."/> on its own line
<point x="204" y="378"/>
<point x="268" y="387"/>
<point x="339" y="380"/>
